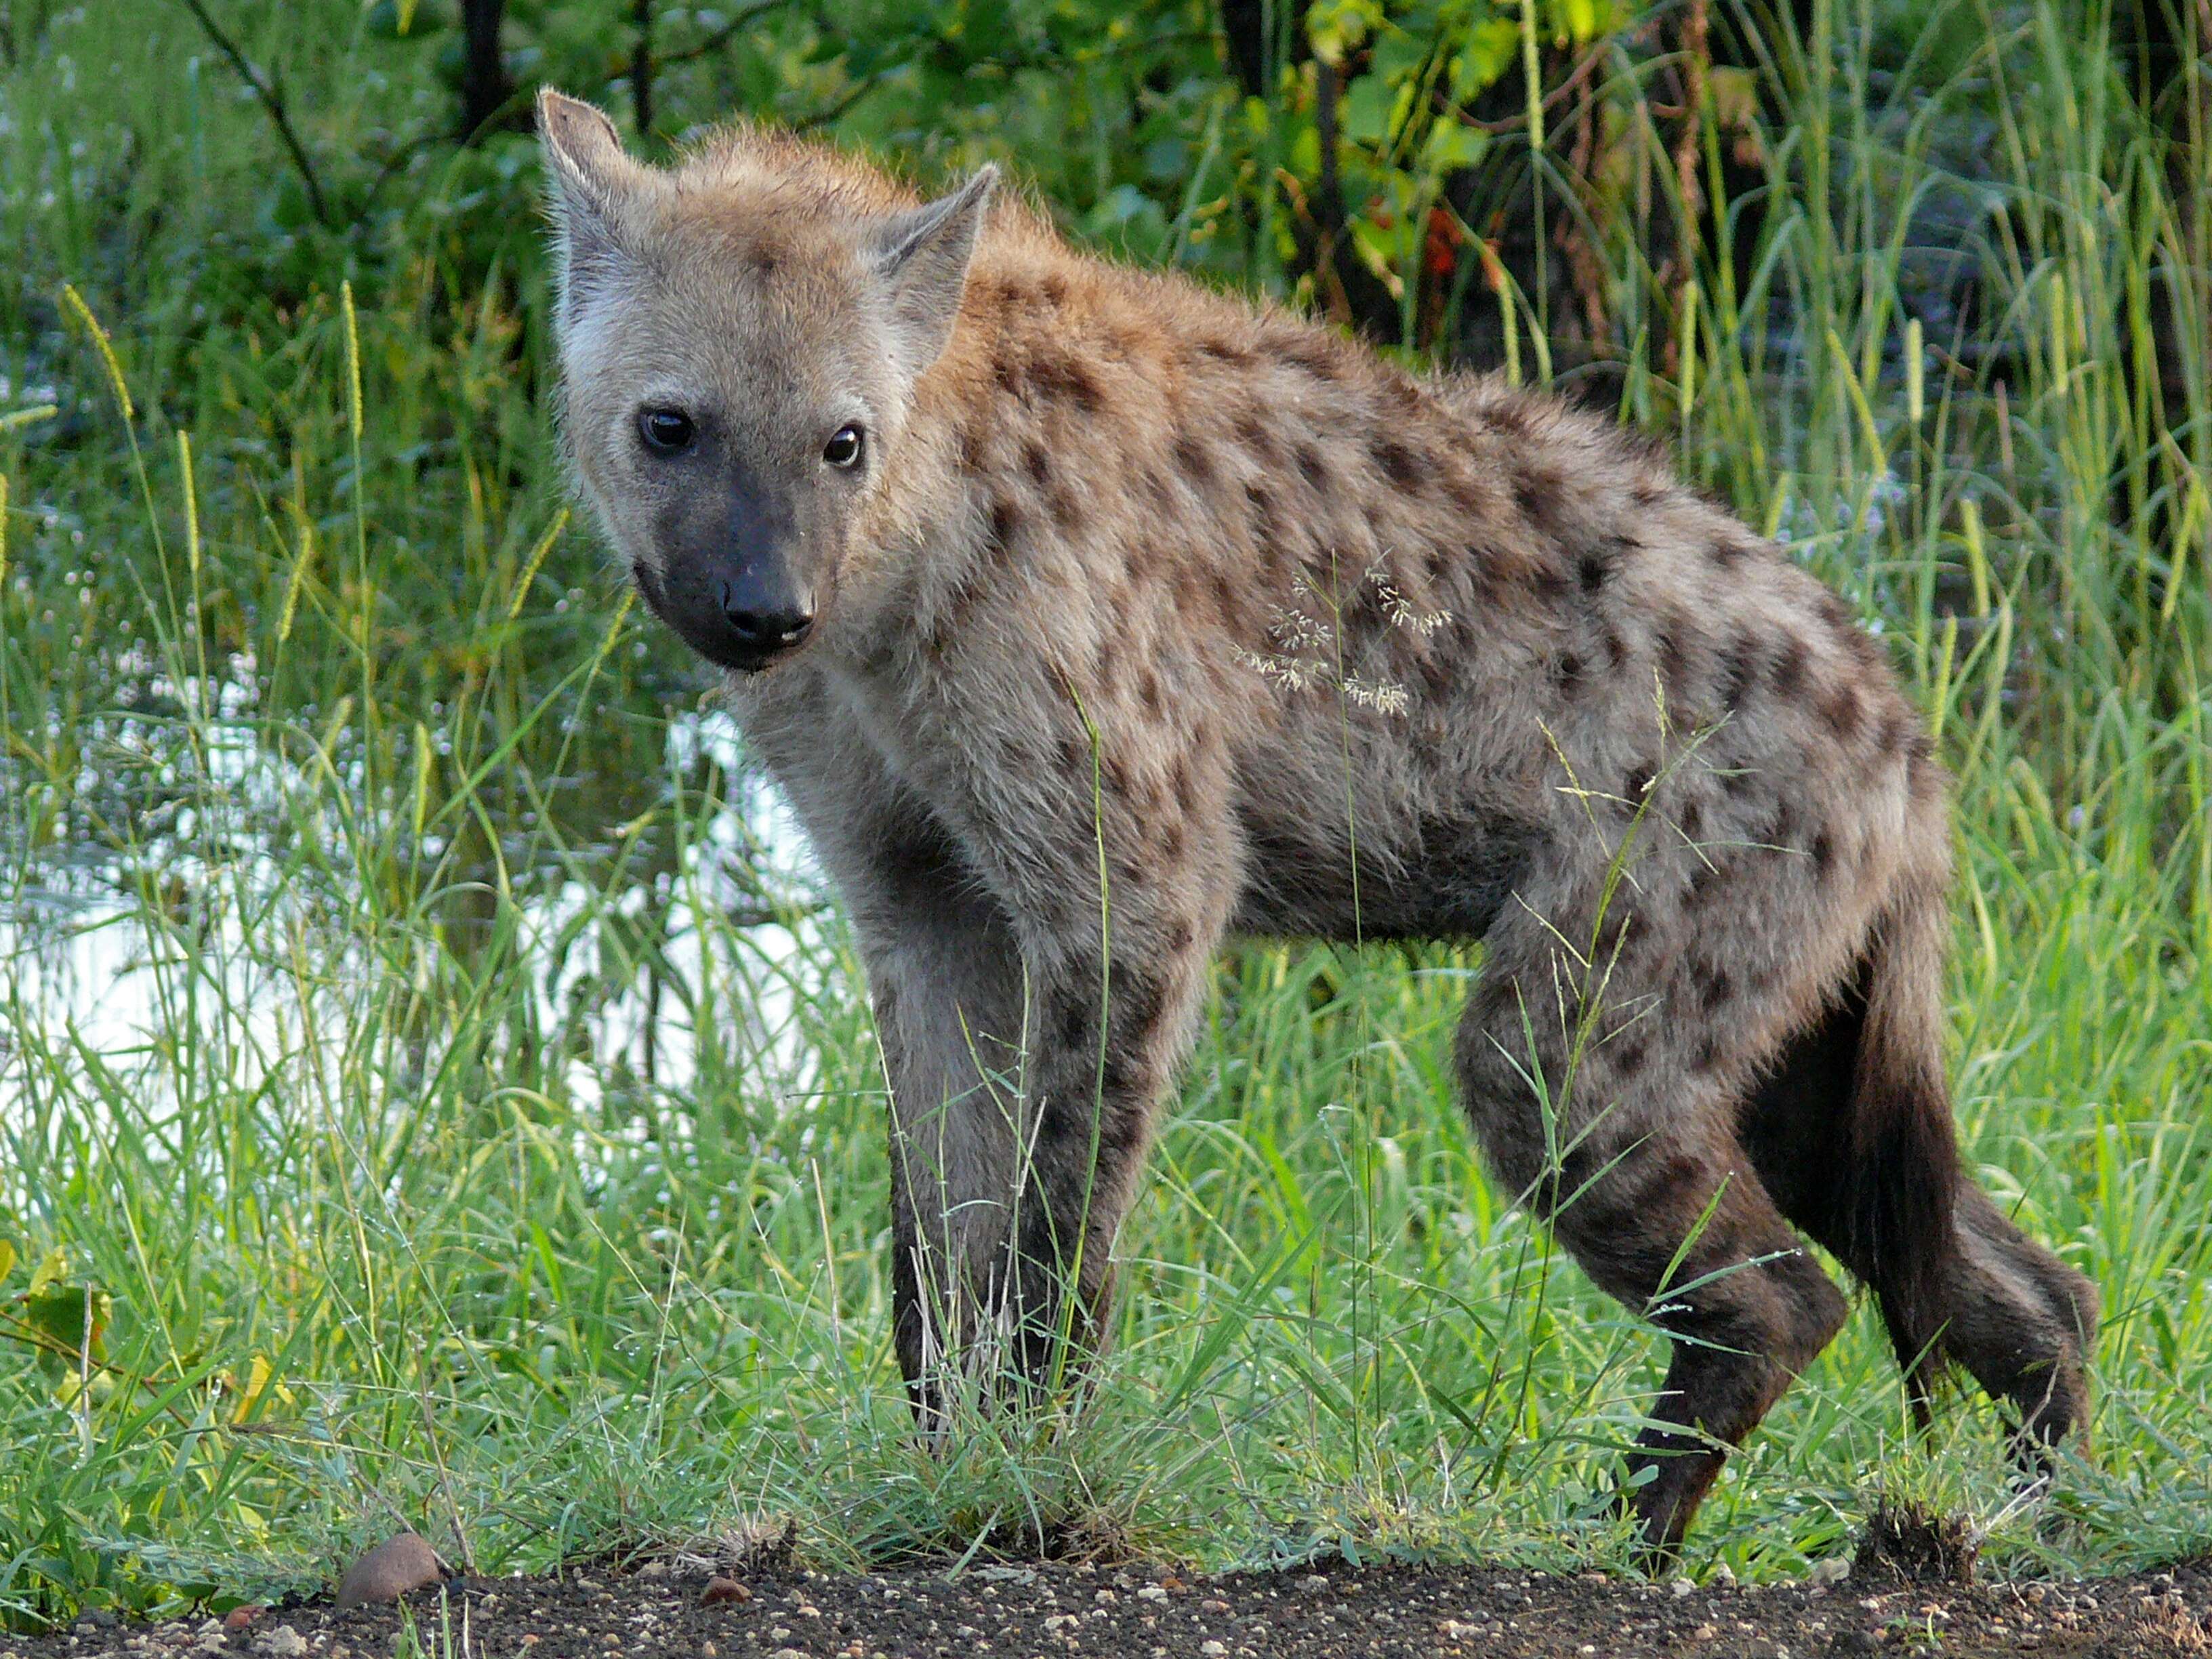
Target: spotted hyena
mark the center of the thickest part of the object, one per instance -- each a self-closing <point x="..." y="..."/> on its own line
<point x="1087" y="617"/>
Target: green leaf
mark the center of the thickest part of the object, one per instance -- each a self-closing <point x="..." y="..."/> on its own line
<point x="55" y="1264"/>
<point x="73" y="1318"/>
<point x="7" y="1258"/>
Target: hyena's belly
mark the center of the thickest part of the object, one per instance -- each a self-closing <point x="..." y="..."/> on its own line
<point x="1441" y="875"/>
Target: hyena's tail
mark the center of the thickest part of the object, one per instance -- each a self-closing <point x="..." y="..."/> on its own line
<point x="1900" y="1168"/>
<point x="1955" y="1280"/>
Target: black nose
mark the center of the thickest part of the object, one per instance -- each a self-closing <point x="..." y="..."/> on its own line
<point x="765" y="627"/>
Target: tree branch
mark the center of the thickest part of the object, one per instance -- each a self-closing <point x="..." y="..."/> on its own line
<point x="272" y="101"/>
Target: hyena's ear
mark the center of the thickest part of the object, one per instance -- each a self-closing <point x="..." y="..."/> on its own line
<point x="922" y="257"/>
<point x="590" y="177"/>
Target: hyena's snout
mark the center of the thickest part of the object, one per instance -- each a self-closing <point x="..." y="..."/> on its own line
<point x="766" y="611"/>
<point x="733" y="582"/>
<point x="737" y="612"/>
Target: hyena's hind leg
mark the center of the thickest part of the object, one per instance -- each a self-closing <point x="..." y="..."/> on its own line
<point x="1674" y="1222"/>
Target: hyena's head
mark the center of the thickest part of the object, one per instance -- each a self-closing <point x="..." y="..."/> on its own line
<point x="740" y="340"/>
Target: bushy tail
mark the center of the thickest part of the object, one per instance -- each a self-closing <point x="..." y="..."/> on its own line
<point x="1901" y="1168"/>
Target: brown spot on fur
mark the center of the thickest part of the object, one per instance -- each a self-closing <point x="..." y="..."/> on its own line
<point x="1507" y="416"/>
<point x="1789" y="672"/>
<point x="1039" y="465"/>
<point x="1535" y="493"/>
<point x="1315" y="469"/>
<point x="1253" y="432"/>
<point x="1396" y="461"/>
<point x="1567" y="673"/>
<point x="1465" y="495"/>
<point x="1674" y="657"/>
<point x="1068" y="378"/>
<point x="1313" y="357"/>
<point x="1739" y="671"/>
<point x="1227" y="602"/>
<point x="1714" y="985"/>
<point x="1646" y="492"/>
<point x="1266" y="530"/>
<point x="1616" y="649"/>
<point x="1637" y="786"/>
<point x="1842" y="711"/>
<point x="1005" y="524"/>
<point x="1824" y="855"/>
<point x="1192" y="459"/>
<point x="1056" y="289"/>
<point x="1592" y="571"/>
<point x="1225" y="351"/>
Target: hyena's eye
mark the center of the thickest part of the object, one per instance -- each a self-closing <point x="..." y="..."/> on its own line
<point x="843" y="449"/>
<point x="666" y="431"/>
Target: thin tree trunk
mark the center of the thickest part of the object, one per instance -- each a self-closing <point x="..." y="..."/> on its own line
<point x="485" y="89"/>
<point x="640" y="71"/>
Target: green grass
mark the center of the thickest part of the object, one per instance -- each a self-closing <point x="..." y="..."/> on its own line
<point x="317" y="715"/>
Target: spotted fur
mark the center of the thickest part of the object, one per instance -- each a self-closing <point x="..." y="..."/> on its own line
<point x="1150" y="587"/>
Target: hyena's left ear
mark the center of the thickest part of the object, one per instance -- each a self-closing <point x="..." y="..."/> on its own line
<point x="922" y="257"/>
<point x="591" y="179"/>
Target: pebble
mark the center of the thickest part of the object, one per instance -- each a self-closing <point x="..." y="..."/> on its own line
<point x="240" y="1617"/>
<point x="284" y="1642"/>
<point x="720" y="1590"/>
<point x="401" y="1563"/>
<point x="1830" y="1570"/>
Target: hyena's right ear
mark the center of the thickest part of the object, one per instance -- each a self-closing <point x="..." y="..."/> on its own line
<point x="921" y="258"/>
<point x="590" y="177"/>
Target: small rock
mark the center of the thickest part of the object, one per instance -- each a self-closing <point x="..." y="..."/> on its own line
<point x="240" y="1617"/>
<point x="284" y="1642"/>
<point x="720" y="1590"/>
<point x="1213" y="1649"/>
<point x="1854" y="1642"/>
<point x="1723" y="1577"/>
<point x="1830" y="1570"/>
<point x="1152" y="1593"/>
<point x="1680" y="1586"/>
<point x="401" y="1563"/>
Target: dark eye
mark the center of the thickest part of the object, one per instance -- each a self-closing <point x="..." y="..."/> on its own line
<point x="666" y="431"/>
<point x="843" y="449"/>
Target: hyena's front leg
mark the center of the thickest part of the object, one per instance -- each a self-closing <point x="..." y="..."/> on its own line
<point x="1026" y="1066"/>
<point x="1109" y="1028"/>
<point x="945" y="978"/>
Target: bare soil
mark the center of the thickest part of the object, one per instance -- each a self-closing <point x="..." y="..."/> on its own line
<point x="1050" y="1611"/>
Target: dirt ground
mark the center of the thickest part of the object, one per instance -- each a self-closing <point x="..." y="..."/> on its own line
<point x="1056" y="1610"/>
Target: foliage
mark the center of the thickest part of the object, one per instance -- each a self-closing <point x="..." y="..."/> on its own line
<point x="428" y="1088"/>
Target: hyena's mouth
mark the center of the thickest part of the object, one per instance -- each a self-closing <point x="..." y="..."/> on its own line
<point x="741" y="644"/>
